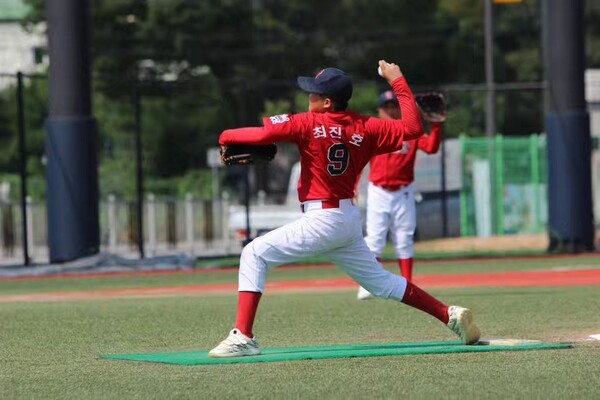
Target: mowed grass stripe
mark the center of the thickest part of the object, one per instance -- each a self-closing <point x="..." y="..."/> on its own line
<point x="52" y="350"/>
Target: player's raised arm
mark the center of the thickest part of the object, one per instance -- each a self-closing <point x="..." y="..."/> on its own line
<point x="391" y="133"/>
<point x="430" y="144"/>
<point x="411" y="118"/>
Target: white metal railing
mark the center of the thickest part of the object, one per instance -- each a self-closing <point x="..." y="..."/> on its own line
<point x="195" y="227"/>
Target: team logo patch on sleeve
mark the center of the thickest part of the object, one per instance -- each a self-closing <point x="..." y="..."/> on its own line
<point x="279" y="119"/>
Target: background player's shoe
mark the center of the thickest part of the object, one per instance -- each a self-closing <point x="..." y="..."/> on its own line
<point x="237" y="344"/>
<point x="364" y="294"/>
<point x="461" y="322"/>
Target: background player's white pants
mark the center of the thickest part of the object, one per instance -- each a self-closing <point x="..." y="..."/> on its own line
<point x="394" y="212"/>
<point x="336" y="233"/>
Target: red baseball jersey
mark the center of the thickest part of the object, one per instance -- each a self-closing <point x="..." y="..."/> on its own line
<point x="334" y="147"/>
<point x="398" y="167"/>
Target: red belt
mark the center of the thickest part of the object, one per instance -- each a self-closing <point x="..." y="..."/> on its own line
<point x="334" y="203"/>
<point x="392" y="188"/>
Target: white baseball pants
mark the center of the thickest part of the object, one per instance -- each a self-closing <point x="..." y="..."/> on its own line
<point x="392" y="212"/>
<point x="333" y="232"/>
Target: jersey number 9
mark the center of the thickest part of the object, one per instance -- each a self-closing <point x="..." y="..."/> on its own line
<point x="338" y="156"/>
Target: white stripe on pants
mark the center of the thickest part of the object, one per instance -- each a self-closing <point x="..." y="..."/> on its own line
<point x="336" y="233"/>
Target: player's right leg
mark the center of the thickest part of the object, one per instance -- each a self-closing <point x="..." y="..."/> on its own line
<point x="257" y="257"/>
<point x="361" y="265"/>
<point x="314" y="233"/>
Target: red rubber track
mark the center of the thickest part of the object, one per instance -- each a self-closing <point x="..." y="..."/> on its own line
<point x="572" y="277"/>
<point x="294" y="267"/>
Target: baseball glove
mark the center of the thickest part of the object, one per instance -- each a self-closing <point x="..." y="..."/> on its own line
<point x="247" y="154"/>
<point x="432" y="106"/>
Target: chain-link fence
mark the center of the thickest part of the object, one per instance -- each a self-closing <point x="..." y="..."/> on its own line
<point x="178" y="120"/>
<point x="165" y="203"/>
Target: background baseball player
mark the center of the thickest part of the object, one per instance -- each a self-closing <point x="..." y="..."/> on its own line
<point x="390" y="196"/>
<point x="334" y="146"/>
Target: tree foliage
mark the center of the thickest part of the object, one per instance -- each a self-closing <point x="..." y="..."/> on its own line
<point x="202" y="66"/>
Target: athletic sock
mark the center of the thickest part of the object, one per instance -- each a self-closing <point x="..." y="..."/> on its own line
<point x="416" y="297"/>
<point x="247" y="306"/>
<point x="406" y="267"/>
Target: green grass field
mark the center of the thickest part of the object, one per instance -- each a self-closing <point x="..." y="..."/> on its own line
<point x="51" y="350"/>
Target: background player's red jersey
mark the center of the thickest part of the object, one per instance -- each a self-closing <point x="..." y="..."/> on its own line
<point x="398" y="168"/>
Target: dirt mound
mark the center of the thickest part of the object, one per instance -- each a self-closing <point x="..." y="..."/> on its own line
<point x="493" y="243"/>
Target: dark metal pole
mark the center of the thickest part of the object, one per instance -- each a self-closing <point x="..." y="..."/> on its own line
<point x="444" y="193"/>
<point x="247" y="202"/>
<point x="570" y="219"/>
<point x="490" y="109"/>
<point x="245" y="119"/>
<point x="137" y="104"/>
<point x="545" y="44"/>
<point x="22" y="166"/>
<point x="71" y="148"/>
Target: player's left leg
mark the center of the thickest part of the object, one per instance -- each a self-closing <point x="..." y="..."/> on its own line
<point x="402" y="229"/>
<point x="361" y="265"/>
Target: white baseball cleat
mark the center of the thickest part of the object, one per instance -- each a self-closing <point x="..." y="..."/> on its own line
<point x="461" y="322"/>
<point x="235" y="345"/>
<point x="364" y="294"/>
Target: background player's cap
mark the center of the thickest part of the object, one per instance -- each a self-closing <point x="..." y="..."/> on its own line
<point x="330" y="82"/>
<point x="386" y="96"/>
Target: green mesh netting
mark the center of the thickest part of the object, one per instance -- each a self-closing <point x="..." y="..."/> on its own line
<point x="503" y="185"/>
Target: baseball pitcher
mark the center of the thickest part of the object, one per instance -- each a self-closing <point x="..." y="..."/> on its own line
<point x="334" y="145"/>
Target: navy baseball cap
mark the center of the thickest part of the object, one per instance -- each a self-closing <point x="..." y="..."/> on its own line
<point x="330" y="82"/>
<point x="386" y="96"/>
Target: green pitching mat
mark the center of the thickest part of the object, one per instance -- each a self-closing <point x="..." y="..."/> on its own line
<point x="342" y="351"/>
